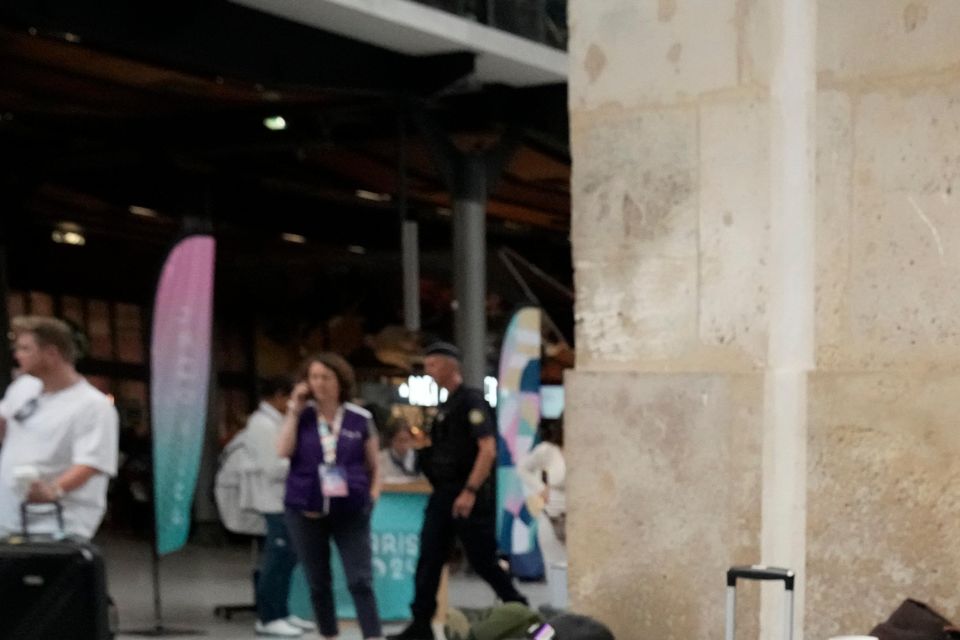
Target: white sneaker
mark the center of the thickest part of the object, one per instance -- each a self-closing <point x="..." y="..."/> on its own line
<point x="278" y="628"/>
<point x="300" y="623"/>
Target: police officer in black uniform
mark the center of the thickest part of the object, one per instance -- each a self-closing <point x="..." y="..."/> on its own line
<point x="459" y="464"/>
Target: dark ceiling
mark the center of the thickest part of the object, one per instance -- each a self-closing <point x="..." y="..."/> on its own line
<point x="109" y="105"/>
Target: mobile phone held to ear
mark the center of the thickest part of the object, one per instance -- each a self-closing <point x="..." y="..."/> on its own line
<point x="303" y="391"/>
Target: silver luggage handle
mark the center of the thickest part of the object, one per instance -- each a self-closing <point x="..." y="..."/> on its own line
<point x="25" y="512"/>
<point x="760" y="572"/>
<point x="765" y="573"/>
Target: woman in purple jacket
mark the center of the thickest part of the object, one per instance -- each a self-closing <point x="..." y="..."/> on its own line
<point x="332" y="486"/>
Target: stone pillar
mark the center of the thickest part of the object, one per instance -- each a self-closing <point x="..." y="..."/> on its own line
<point x="765" y="241"/>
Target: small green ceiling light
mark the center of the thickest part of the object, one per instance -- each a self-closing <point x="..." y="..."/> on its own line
<point x="275" y="123"/>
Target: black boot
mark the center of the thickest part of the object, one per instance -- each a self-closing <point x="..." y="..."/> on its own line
<point x="520" y="598"/>
<point x="416" y="630"/>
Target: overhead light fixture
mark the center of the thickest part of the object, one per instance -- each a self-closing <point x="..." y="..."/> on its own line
<point x="373" y="196"/>
<point x="296" y="238"/>
<point x="275" y="123"/>
<point x="444" y="211"/>
<point x="357" y="249"/>
<point x="143" y="212"/>
<point x="69" y="233"/>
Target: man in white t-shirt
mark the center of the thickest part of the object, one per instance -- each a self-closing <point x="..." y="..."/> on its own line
<point x="59" y="435"/>
<point x="267" y="483"/>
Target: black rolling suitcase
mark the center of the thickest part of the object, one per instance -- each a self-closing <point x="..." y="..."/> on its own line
<point x="759" y="572"/>
<point x="52" y="589"/>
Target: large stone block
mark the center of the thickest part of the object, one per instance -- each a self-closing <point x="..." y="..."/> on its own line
<point x="635" y="229"/>
<point x="884" y="467"/>
<point x="903" y="256"/>
<point x="873" y="39"/>
<point x="626" y="53"/>
<point x="734" y="229"/>
<point x="635" y="184"/>
<point x="834" y="165"/>
<point x="664" y="494"/>
<point x="640" y="311"/>
<point x="756" y="42"/>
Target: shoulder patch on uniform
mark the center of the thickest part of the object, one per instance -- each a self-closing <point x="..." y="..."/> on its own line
<point x="355" y="408"/>
<point x="477" y="416"/>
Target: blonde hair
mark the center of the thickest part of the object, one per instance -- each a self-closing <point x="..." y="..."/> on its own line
<point x="48" y="332"/>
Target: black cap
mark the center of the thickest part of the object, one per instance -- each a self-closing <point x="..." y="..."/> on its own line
<point x="442" y="349"/>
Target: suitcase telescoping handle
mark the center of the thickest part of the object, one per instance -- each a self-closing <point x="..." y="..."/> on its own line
<point x="759" y="572"/>
<point x="25" y="516"/>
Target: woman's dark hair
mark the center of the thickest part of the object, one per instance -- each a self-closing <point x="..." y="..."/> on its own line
<point x="340" y="367"/>
<point x="551" y="430"/>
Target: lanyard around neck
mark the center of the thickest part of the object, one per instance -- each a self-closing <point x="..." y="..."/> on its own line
<point x="328" y="439"/>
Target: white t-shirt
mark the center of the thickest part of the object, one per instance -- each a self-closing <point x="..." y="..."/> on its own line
<point x="24" y="388"/>
<point x="76" y="425"/>
<point x="269" y="473"/>
<point x="546" y="457"/>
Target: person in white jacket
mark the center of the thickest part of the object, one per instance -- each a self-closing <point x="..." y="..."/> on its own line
<point x="266" y="479"/>
<point x="544" y="473"/>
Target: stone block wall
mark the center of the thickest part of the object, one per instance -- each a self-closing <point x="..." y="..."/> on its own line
<point x="671" y="126"/>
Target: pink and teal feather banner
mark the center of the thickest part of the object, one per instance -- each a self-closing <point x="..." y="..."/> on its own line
<point x="518" y="414"/>
<point x="179" y="383"/>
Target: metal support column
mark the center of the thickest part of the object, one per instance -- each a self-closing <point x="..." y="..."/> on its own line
<point x="409" y="238"/>
<point x="470" y="265"/>
<point x="471" y="176"/>
<point x="411" y="274"/>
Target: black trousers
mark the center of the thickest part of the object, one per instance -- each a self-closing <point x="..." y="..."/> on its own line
<point x="477" y="533"/>
<point x="311" y="539"/>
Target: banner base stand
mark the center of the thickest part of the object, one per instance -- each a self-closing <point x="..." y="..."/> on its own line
<point x="161" y="631"/>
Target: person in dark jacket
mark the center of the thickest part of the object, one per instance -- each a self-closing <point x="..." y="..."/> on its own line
<point x="458" y="463"/>
<point x="332" y="485"/>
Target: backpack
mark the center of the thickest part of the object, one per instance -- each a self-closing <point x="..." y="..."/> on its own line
<point x="232" y="490"/>
<point x="914" y="620"/>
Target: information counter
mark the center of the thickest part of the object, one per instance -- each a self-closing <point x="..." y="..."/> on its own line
<point x="395" y="538"/>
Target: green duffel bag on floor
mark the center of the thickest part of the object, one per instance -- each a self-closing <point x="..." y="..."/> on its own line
<point x="504" y="622"/>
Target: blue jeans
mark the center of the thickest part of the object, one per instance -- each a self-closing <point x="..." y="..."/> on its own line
<point x="276" y="564"/>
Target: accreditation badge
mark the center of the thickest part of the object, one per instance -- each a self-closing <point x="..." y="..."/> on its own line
<point x="476" y="417"/>
<point x="333" y="481"/>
